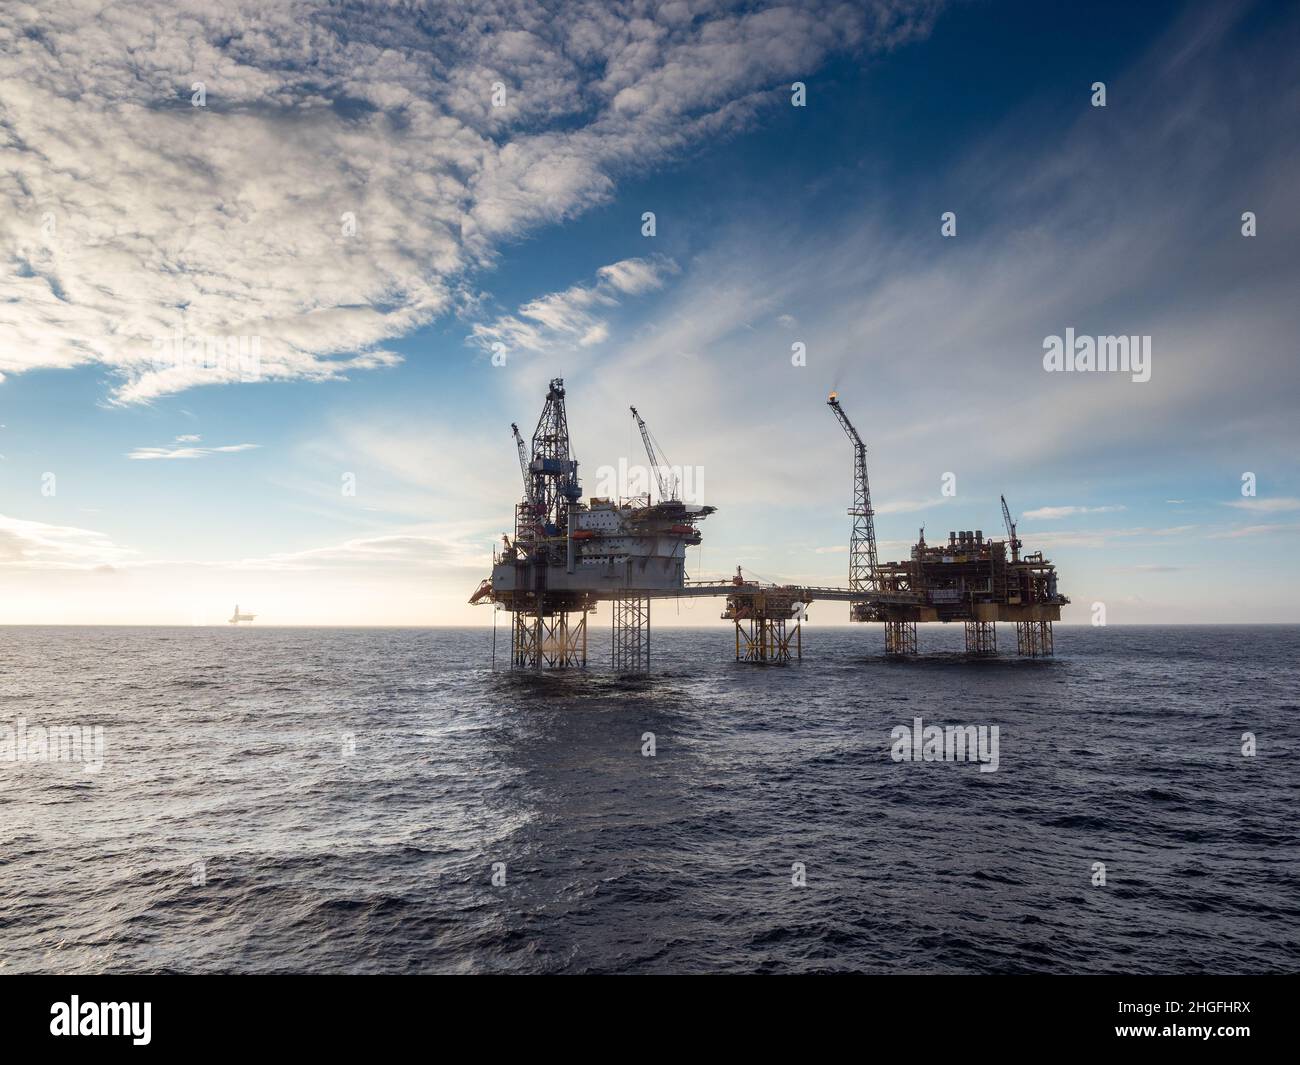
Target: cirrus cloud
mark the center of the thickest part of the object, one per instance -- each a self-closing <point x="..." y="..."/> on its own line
<point x="185" y="447"/>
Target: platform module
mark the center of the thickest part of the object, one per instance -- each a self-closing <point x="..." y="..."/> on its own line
<point x="970" y="579"/>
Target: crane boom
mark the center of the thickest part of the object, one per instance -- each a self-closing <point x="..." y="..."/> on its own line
<point x="662" y="474"/>
<point x="523" y="462"/>
<point x="862" y="542"/>
<point x="1011" y="531"/>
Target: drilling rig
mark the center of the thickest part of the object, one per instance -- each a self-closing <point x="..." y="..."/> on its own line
<point x="566" y="555"/>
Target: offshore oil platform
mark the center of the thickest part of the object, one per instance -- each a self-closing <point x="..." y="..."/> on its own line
<point x="566" y="556"/>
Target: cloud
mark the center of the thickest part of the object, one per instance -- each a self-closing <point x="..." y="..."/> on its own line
<point x="186" y="450"/>
<point x="1051" y="513"/>
<point x="1275" y="505"/>
<point x="1255" y="530"/>
<point x="347" y="168"/>
<point x="923" y="336"/>
<point x="1102" y="537"/>
<point x="411" y="468"/>
<point x="908" y="506"/>
<point x="37" y="545"/>
<point x="573" y="316"/>
<point x="442" y="548"/>
<point x="455" y="546"/>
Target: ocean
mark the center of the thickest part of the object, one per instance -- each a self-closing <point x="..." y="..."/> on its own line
<point x="382" y="801"/>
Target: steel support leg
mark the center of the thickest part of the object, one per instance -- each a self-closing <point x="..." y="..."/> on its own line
<point x="525" y="640"/>
<point x="548" y="641"/>
<point x="981" y="638"/>
<point x="1034" y="639"/>
<point x="748" y="646"/>
<point x="768" y="640"/>
<point x="900" y="638"/>
<point x="632" y="634"/>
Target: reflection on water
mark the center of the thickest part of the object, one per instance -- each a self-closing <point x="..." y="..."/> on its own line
<point x="383" y="801"/>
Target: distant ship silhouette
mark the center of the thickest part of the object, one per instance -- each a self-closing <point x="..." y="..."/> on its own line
<point x="237" y="617"/>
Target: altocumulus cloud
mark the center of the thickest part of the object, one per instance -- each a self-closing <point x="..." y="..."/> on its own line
<point x="573" y="316"/>
<point x="348" y="167"/>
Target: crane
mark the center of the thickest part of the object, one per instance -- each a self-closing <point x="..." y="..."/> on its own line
<point x="658" y="466"/>
<point x="1011" y="531"/>
<point x="523" y="463"/>
<point x="862" y="542"/>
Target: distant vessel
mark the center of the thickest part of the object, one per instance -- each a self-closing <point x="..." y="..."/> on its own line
<point x="237" y="617"/>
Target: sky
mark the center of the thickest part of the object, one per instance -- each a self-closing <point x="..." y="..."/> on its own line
<point x="279" y="276"/>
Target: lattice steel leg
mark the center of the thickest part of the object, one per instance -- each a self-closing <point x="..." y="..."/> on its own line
<point x="747" y="644"/>
<point x="900" y="638"/>
<point x="525" y="641"/>
<point x="768" y="640"/>
<point x="981" y="638"/>
<point x="632" y="634"/>
<point x="1034" y="639"/>
<point x="548" y="641"/>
